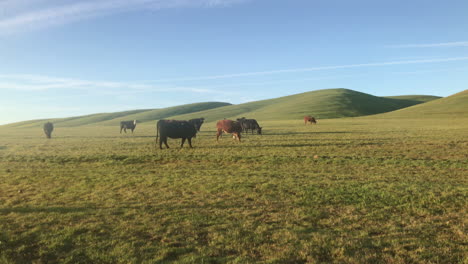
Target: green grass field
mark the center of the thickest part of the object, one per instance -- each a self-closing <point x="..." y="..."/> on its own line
<point x="353" y="190"/>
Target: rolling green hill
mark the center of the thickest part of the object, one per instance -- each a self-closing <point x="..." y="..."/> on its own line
<point x="115" y="118"/>
<point x="452" y="106"/>
<point x="329" y="103"/>
<point x="157" y="114"/>
<point x="415" y="98"/>
<point x="77" y="120"/>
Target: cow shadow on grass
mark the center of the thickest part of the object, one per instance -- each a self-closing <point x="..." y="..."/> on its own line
<point x="27" y="210"/>
<point x="306" y="133"/>
<point x="116" y="137"/>
<point x="116" y="209"/>
<point x="244" y="145"/>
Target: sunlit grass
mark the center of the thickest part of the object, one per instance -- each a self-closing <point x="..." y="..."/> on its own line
<point x="344" y="191"/>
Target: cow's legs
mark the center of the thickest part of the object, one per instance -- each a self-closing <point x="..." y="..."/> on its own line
<point x="238" y="135"/>
<point x="190" y="142"/>
<point x="183" y="141"/>
<point x="218" y="134"/>
<point x="161" y="141"/>
<point x="121" y="130"/>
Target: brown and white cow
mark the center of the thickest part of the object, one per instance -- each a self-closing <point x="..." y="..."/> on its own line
<point x="229" y="126"/>
<point x="175" y="129"/>
<point x="309" y="119"/>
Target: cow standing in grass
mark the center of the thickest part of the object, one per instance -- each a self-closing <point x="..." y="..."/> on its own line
<point x="229" y="126"/>
<point x="250" y="124"/>
<point x="175" y="129"/>
<point x="127" y="125"/>
<point x="309" y="119"/>
<point x="197" y="122"/>
<point x="48" y="128"/>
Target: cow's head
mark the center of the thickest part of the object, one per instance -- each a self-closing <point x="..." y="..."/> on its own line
<point x="259" y="130"/>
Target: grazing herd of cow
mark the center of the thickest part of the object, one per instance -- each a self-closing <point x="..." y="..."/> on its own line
<point x="186" y="130"/>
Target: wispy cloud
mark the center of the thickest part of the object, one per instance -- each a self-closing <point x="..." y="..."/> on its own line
<point x="24" y="15"/>
<point x="362" y="65"/>
<point x="27" y="82"/>
<point x="432" y="45"/>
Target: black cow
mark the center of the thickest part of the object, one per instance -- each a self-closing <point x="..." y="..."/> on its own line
<point x="251" y="124"/>
<point x="197" y="122"/>
<point x="127" y="125"/>
<point x="175" y="129"/>
<point x="48" y="128"/>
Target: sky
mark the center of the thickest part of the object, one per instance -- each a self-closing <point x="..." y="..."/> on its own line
<point x="61" y="58"/>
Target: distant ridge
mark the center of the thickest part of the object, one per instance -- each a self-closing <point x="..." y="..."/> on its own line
<point x="452" y="106"/>
<point x="115" y="118"/>
<point x="327" y="103"/>
<point x="415" y="98"/>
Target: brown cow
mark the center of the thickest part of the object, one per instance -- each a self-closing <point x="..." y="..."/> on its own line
<point x="229" y="126"/>
<point x="309" y="119"/>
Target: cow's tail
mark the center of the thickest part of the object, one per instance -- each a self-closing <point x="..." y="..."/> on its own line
<point x="157" y="134"/>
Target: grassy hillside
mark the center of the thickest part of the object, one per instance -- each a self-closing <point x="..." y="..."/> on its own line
<point x="157" y="114"/>
<point x="329" y="103"/>
<point x="452" y="106"/>
<point x="115" y="118"/>
<point x="417" y="98"/>
<point x="77" y="120"/>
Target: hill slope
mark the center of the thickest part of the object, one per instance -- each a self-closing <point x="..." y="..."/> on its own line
<point x="415" y="98"/>
<point x="157" y="114"/>
<point x="452" y="106"/>
<point x="329" y="103"/>
<point x="77" y="120"/>
<point x="115" y="118"/>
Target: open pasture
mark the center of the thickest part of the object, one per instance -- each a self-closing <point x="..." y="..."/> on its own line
<point x="355" y="190"/>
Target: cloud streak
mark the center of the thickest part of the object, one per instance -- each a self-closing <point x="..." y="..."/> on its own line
<point x="27" y="82"/>
<point x="433" y="45"/>
<point x="21" y="17"/>
<point x="296" y="70"/>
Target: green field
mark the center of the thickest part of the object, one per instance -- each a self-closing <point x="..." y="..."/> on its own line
<point x="351" y="190"/>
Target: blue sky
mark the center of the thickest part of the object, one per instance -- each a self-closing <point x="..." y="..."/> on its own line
<point x="66" y="58"/>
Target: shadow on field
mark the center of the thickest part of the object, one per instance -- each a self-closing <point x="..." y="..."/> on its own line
<point x="26" y="210"/>
<point x="308" y="133"/>
<point x="289" y="145"/>
<point x="122" y="136"/>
